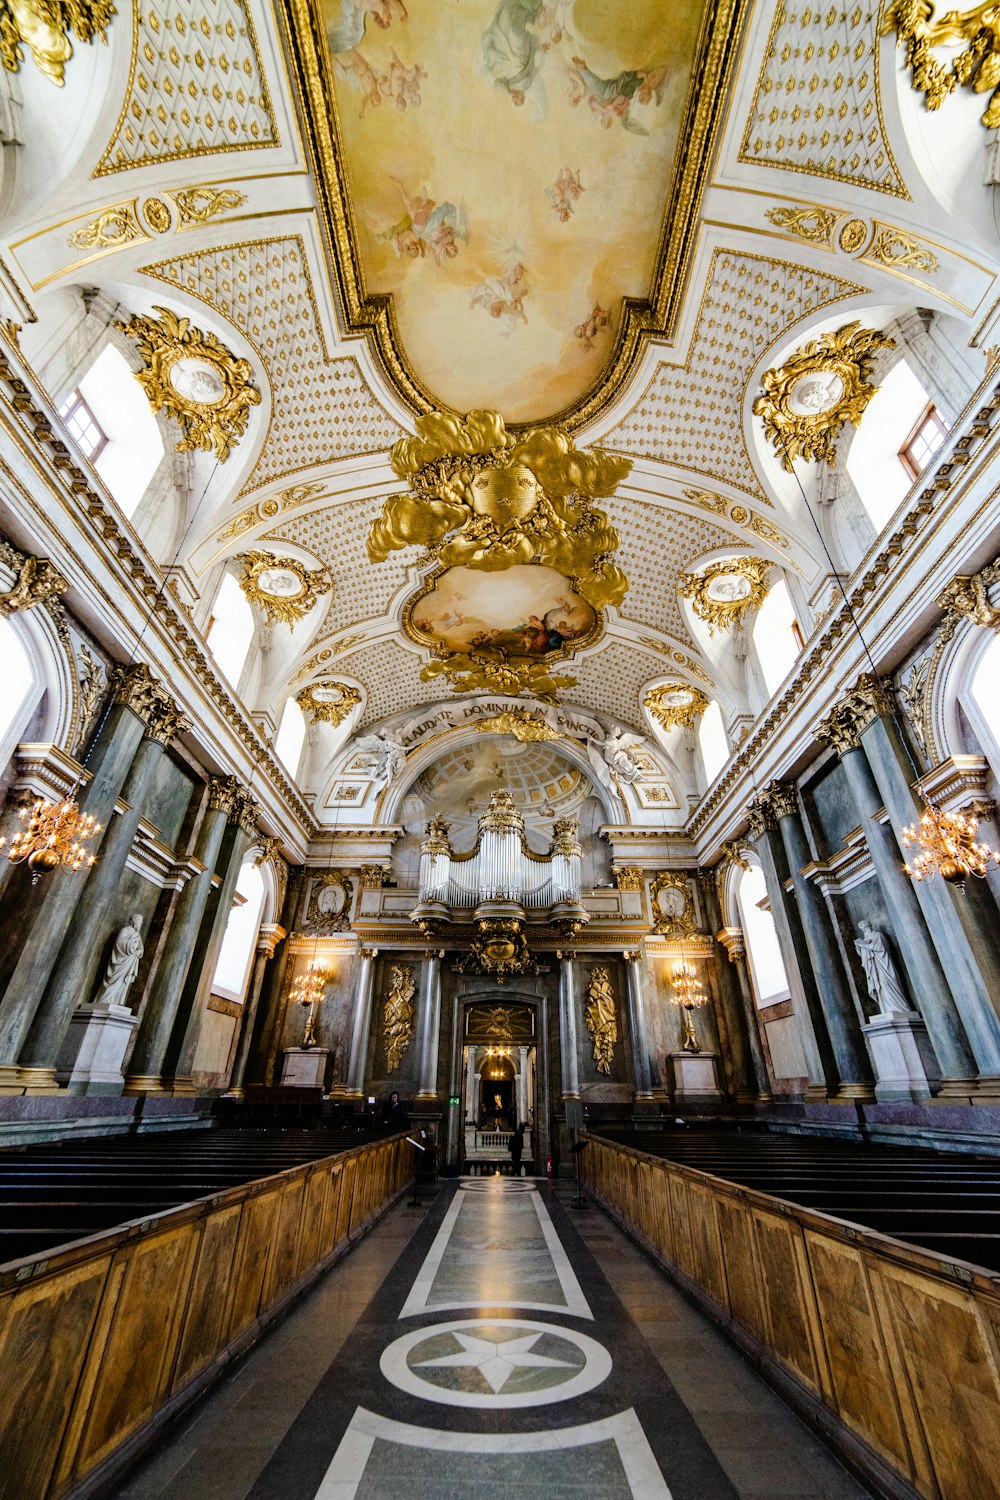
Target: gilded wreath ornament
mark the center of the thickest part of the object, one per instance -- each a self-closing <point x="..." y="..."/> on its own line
<point x="328" y="702"/>
<point x="977" y="67"/>
<point x="725" y="592"/>
<point x="676" y="703"/>
<point x="673" y="916"/>
<point x="805" y="402"/>
<point x="45" y="27"/>
<point x="282" y="587"/>
<point x="194" y="378"/>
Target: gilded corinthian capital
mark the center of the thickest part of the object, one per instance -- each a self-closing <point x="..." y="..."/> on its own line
<point x="222" y="794"/>
<point x="777" y="800"/>
<point x="166" y="720"/>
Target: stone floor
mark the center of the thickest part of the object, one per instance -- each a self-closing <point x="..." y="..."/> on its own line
<point x="493" y="1343"/>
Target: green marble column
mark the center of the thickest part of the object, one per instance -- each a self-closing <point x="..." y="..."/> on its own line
<point x="178" y="1056"/>
<point x="731" y="938"/>
<point x="160" y="1010"/>
<point x="821" y="1064"/>
<point x="267" y="1026"/>
<point x="38" y="918"/>
<point x="638" y="1030"/>
<point x="362" y="1023"/>
<point x="96" y="914"/>
<point x="269" y="937"/>
<point x="925" y="975"/>
<point x="855" y="1078"/>
<point x="746" y="1058"/>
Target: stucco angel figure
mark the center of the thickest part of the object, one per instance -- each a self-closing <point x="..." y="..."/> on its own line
<point x="383" y="753"/>
<point x="123" y="964"/>
<point x="614" y="755"/>
<point x="884" y="984"/>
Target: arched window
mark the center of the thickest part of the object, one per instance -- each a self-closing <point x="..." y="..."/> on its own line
<point x="985" y="690"/>
<point x="110" y="419"/>
<point x="774" y="636"/>
<point x="19" y="689"/>
<point x="290" y="737"/>
<point x="712" y="741"/>
<point x="231" y="629"/>
<point x="232" y="972"/>
<point x="877" y="460"/>
<point x="767" y="968"/>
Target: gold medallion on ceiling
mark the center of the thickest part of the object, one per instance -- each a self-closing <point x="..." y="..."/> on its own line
<point x="328" y="702"/>
<point x="281" y="586"/>
<point x="978" y="66"/>
<point x="806" y="401"/>
<point x="674" y="703"/>
<point x="483" y="502"/>
<point x="44" y="27"/>
<point x="725" y="592"/>
<point x="194" y="378"/>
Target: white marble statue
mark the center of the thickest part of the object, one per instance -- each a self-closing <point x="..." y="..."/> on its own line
<point x="884" y="984"/>
<point x="383" y="753"/>
<point x="614" y="753"/>
<point x="123" y="964"/>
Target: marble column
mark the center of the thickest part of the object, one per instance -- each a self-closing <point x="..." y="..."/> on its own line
<point x="638" y="1030"/>
<point x="731" y="938"/>
<point x="268" y="938"/>
<point x="964" y="935"/>
<point x="568" y="1042"/>
<point x="160" y="1010"/>
<point x="855" y="1079"/>
<point x="362" y="1023"/>
<point x="179" y="1054"/>
<point x="522" y="1086"/>
<point x="745" y="1057"/>
<point x="471" y="1089"/>
<point x="926" y="979"/>
<point x="37" y="919"/>
<point x="97" y="913"/>
<point x="429" y="1027"/>
<point x="820" y="1063"/>
<point x="269" y="1021"/>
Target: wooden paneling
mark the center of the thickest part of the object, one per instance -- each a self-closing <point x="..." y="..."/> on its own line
<point x="94" y="1340"/>
<point x="898" y="1350"/>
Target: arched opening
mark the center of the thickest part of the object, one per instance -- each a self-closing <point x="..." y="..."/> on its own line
<point x="110" y="419"/>
<point x="712" y="741"/>
<point x="774" y="637"/>
<point x="232" y="972"/>
<point x="767" y="968"/>
<point x="899" y="435"/>
<point x="985" y="692"/>
<point x="290" y="737"/>
<point x="19" y="681"/>
<point x="230" y="630"/>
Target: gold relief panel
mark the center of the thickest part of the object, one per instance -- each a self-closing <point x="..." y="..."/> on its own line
<point x="44" y="27"/>
<point x="671" y="905"/>
<point x="282" y="587"/>
<point x="330" y="898"/>
<point x="601" y="1017"/>
<point x="919" y="31"/>
<point x="725" y="592"/>
<point x="195" y="379"/>
<point x="875" y="243"/>
<point x="328" y="702"/>
<point x="112" y="229"/>
<point x="198" y="205"/>
<point x="397" y="1016"/>
<point x="521" y="723"/>
<point x="805" y="402"/>
<point x="674" y="703"/>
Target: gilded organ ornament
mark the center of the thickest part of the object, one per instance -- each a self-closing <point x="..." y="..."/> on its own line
<point x="282" y="587"/>
<point x="601" y="1016"/>
<point x="725" y="592"/>
<point x="194" y="378"/>
<point x="977" y="67"/>
<point x="45" y="27"/>
<point x="397" y="1022"/>
<point x="483" y="501"/>
<point x="805" y="402"/>
<point x="328" y="702"/>
<point x="674" y="703"/>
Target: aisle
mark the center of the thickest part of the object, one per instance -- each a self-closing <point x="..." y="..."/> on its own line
<point x="494" y="1358"/>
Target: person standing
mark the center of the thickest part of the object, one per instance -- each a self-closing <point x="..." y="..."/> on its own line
<point x="517" y="1149"/>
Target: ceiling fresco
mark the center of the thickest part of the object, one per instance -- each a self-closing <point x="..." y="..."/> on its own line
<point x="499" y="174"/>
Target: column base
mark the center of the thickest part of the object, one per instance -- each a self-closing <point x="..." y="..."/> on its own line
<point x="179" y="1085"/>
<point x="848" y="1093"/>
<point x="431" y="1097"/>
<point x="17" y="1080"/>
<point x="816" y="1093"/>
<point x="145" y="1083"/>
<point x="955" y="1089"/>
<point x="987" y="1089"/>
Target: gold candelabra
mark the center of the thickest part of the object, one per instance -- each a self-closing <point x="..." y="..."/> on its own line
<point x="688" y="996"/>
<point x="54" y="836"/>
<point x="946" y="845"/>
<point x="308" y="991"/>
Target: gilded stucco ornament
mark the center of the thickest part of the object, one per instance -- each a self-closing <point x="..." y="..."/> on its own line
<point x="809" y="223"/>
<point x="978" y="67"/>
<point x="193" y="377"/>
<point x="671" y="903"/>
<point x="45" y="26"/>
<point x="328" y="702"/>
<point x="397" y="1022"/>
<point x="521" y="723"/>
<point x="114" y="227"/>
<point x="501" y="949"/>
<point x="496" y="671"/>
<point x="601" y="1017"/>
<point x="725" y="592"/>
<point x="674" y="703"/>
<point x="36" y="580"/>
<point x="806" y="401"/>
<point x="200" y="204"/>
<point x="281" y="586"/>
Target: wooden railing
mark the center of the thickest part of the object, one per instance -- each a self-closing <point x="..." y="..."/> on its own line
<point x="892" y="1351"/>
<point x="102" y="1343"/>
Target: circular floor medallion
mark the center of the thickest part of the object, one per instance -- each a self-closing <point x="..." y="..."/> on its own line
<point x="496" y="1363"/>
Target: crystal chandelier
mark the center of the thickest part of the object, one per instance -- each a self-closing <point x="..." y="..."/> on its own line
<point x="55" y="836"/>
<point x="688" y="995"/>
<point x="308" y="991"/>
<point x="947" y="846"/>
